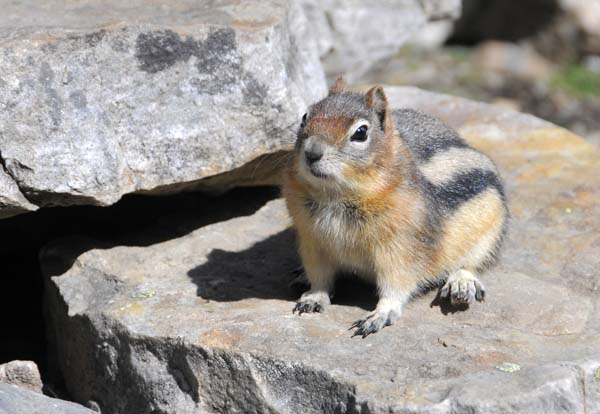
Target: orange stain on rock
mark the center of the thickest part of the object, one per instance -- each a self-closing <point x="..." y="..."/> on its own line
<point x="552" y="140"/>
<point x="537" y="140"/>
<point x="219" y="338"/>
<point x="490" y="359"/>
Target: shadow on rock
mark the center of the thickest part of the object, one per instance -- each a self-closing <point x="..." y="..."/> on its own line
<point x="446" y="306"/>
<point x="261" y="271"/>
<point x="139" y="221"/>
<point x="352" y="291"/>
<point x="266" y="271"/>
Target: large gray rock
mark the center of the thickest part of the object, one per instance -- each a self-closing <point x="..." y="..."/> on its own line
<point x="353" y="35"/>
<point x="16" y="400"/>
<point x="99" y="99"/>
<point x="204" y="323"/>
<point x="23" y="374"/>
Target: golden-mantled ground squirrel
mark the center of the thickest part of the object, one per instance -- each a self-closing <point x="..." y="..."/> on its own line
<point x="396" y="197"/>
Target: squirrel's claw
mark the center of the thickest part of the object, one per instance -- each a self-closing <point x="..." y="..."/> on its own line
<point x="312" y="301"/>
<point x="373" y="323"/>
<point x="307" y="306"/>
<point x="463" y="287"/>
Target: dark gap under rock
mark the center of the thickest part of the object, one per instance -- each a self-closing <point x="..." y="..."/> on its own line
<point x="136" y="220"/>
<point x="507" y="20"/>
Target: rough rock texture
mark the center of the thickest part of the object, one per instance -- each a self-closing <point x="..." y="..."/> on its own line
<point x="16" y="400"/>
<point x="23" y="374"/>
<point x="203" y="323"/>
<point x="12" y="201"/>
<point x="99" y="99"/>
<point x="352" y="35"/>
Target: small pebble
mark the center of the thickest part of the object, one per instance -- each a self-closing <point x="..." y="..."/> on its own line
<point x="508" y="367"/>
<point x="143" y="294"/>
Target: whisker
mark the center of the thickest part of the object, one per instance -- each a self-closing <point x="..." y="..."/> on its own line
<point x="282" y="157"/>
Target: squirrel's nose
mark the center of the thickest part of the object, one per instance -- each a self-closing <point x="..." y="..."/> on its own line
<point x="313" y="153"/>
<point x="312" y="156"/>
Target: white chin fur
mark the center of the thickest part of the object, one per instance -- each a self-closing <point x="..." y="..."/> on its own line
<point x="329" y="180"/>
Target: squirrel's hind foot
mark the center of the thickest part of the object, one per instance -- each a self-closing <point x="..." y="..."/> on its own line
<point x="463" y="287"/>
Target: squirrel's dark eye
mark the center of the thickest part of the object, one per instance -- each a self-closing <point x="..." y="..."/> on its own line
<point x="360" y="134"/>
<point x="303" y="123"/>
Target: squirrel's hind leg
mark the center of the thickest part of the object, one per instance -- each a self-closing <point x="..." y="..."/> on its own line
<point x="463" y="287"/>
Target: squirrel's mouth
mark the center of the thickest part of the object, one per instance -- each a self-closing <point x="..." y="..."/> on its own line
<point x="316" y="173"/>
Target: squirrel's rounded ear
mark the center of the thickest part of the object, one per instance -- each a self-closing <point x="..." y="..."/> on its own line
<point x="376" y="98"/>
<point x="338" y="86"/>
<point x="377" y="101"/>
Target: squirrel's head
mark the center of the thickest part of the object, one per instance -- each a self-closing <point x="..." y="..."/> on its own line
<point x="345" y="141"/>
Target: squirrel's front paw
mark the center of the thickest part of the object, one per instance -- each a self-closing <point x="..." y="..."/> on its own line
<point x="374" y="322"/>
<point x="312" y="302"/>
<point x="463" y="287"/>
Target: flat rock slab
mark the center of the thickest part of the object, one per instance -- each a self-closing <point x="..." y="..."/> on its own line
<point x="103" y="98"/>
<point x="16" y="400"/>
<point x="204" y="323"/>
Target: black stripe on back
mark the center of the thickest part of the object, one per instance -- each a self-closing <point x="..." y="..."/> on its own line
<point x="464" y="187"/>
<point x="424" y="134"/>
<point x="424" y="151"/>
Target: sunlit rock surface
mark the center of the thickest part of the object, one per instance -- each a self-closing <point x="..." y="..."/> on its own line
<point x="17" y="400"/>
<point x="204" y="323"/>
<point x="103" y="98"/>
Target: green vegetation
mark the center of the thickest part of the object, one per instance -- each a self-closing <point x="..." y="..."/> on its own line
<point x="578" y="81"/>
<point x="459" y="53"/>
